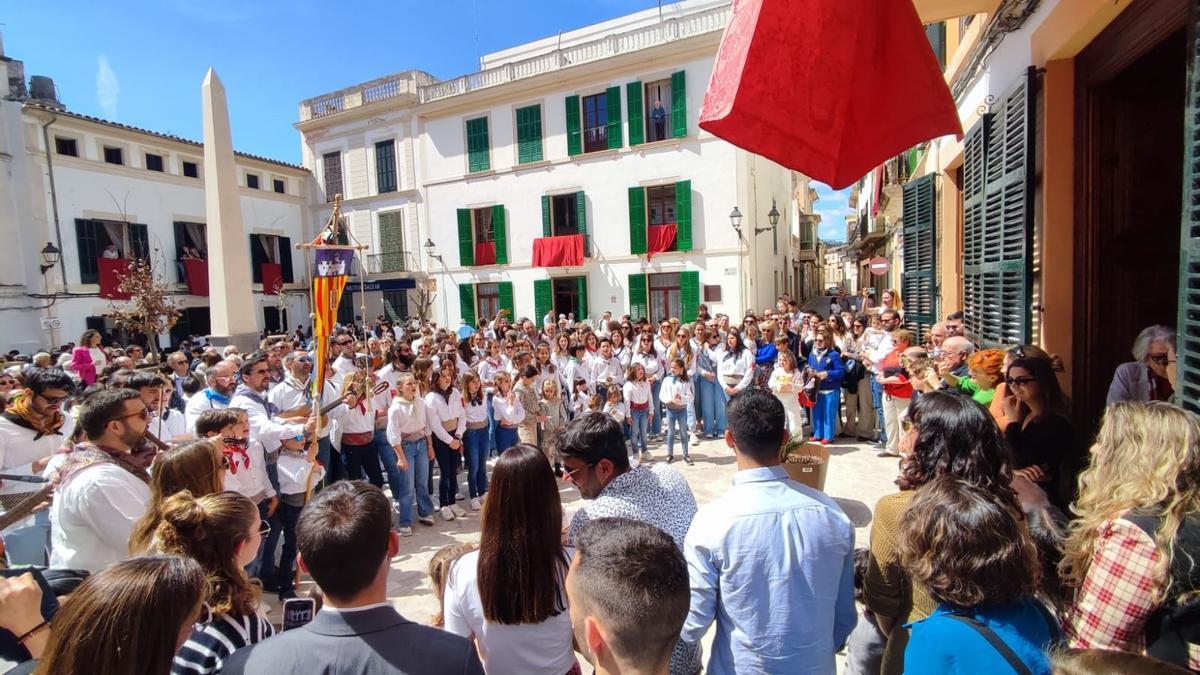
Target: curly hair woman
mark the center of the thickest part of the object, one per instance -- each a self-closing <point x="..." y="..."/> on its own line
<point x="1131" y="552"/>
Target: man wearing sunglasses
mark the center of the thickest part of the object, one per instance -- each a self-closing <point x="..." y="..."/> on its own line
<point x="221" y="385"/>
<point x="1145" y="378"/>
<point x="101" y="491"/>
<point x="295" y="393"/>
<point x="343" y="365"/>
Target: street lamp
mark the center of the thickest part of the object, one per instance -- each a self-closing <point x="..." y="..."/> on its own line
<point x="432" y="253"/>
<point x="50" y="257"/>
<point x="735" y="217"/>
<point x="773" y="214"/>
<point x="429" y="251"/>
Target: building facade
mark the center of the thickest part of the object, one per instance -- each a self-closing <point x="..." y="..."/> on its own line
<point x="103" y="194"/>
<point x="568" y="176"/>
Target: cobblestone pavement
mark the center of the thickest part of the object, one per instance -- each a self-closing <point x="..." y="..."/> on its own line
<point x="856" y="479"/>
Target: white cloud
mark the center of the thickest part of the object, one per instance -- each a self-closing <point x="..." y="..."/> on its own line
<point x="108" y="89"/>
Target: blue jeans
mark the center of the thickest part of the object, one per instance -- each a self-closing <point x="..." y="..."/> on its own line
<point x="395" y="477"/>
<point x="476" y="452"/>
<point x="417" y="476"/>
<point x="712" y="407"/>
<point x="448" y="460"/>
<point x="877" y="402"/>
<point x="505" y="438"/>
<point x="28" y="545"/>
<point x="287" y="517"/>
<point x="656" y="423"/>
<point x="491" y="427"/>
<point x="677" y="428"/>
<point x="641" y="420"/>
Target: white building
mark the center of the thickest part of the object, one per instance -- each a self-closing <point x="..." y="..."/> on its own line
<point x="547" y="181"/>
<point x="82" y="183"/>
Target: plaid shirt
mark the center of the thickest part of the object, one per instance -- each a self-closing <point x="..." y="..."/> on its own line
<point x="1111" y="607"/>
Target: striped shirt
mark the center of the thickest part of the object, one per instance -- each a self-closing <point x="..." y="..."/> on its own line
<point x="205" y="651"/>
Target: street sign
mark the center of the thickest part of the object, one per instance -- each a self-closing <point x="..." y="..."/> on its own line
<point x="879" y="265"/>
<point x="51" y="323"/>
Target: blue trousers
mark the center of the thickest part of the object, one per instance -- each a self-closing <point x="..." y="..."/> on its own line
<point x="417" y="476"/>
<point x="491" y="427"/>
<point x="877" y="403"/>
<point x="825" y="413"/>
<point x="712" y="406"/>
<point x="287" y="517"/>
<point x="476" y="453"/>
<point x="657" y="422"/>
<point x="641" y="419"/>
<point x="677" y="429"/>
<point x="391" y="467"/>
<point x="505" y="438"/>
<point x="448" y="461"/>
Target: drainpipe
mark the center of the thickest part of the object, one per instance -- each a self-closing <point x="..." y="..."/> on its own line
<point x="62" y="268"/>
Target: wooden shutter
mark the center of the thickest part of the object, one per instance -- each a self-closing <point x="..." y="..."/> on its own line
<point x="574" y="135"/>
<point x="1187" y="389"/>
<point x="613" y="110"/>
<point x="385" y="166"/>
<point x="997" y="220"/>
<point x="683" y="215"/>
<point x="285" y="260"/>
<point x="689" y="296"/>
<point x="543" y="299"/>
<point x="637" y="124"/>
<point x="918" y="286"/>
<point x="332" y="165"/>
<point x="500" y="234"/>
<point x="478" y="157"/>
<point x="679" y="104"/>
<point x="581" y="282"/>
<point x="89" y="250"/>
<point x="547" y="227"/>
<point x="637" y="220"/>
<point x="466" y="239"/>
<point x="466" y="301"/>
<point x="529" y="134"/>
<point x="505" y="293"/>
<point x="180" y="240"/>
<point x="580" y="213"/>
<point x="257" y="258"/>
<point x="638" y="305"/>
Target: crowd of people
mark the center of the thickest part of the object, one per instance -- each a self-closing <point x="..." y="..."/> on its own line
<point x="180" y="492"/>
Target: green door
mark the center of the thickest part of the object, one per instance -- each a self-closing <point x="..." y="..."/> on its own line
<point x="918" y="288"/>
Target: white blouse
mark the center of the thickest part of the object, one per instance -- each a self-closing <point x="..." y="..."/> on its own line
<point x="404" y="418"/>
<point x="673" y="386"/>
<point x="438" y="410"/>
<point x="651" y="362"/>
<point x="508" y="410"/>
<point x="637" y="392"/>
<point x="742" y="366"/>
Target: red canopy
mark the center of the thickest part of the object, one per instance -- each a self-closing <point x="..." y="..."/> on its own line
<point x="829" y="88"/>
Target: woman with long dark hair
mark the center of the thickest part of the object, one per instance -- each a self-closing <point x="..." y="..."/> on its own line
<point x="447" y="424"/>
<point x="509" y="595"/>
<point x="1039" y="432"/>
<point x="944" y="434"/>
<point x="735" y="370"/>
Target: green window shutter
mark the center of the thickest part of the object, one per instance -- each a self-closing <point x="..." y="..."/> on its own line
<point x="580" y="213"/>
<point x="638" y="305"/>
<point x="679" y="104"/>
<point x="683" y="215"/>
<point x="637" y="125"/>
<point x="689" y="296"/>
<point x="543" y="299"/>
<point x="500" y="234"/>
<point x="466" y="239"/>
<point x="506" y="298"/>
<point x="547" y="228"/>
<point x="574" y="134"/>
<point x="1187" y="389"/>
<point x="918" y="287"/>
<point x="529" y="134"/>
<point x="998" y="220"/>
<point x="614" y="117"/>
<point x="583" y="298"/>
<point x="637" y="220"/>
<point x="466" y="300"/>
<point x="478" y="157"/>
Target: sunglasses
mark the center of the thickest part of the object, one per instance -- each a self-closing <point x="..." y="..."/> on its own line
<point x="144" y="413"/>
<point x="343" y="343"/>
<point x="1160" y="359"/>
<point x="52" y="400"/>
<point x="1019" y="381"/>
<point x="264" y="528"/>
<point x="571" y="474"/>
<point x="235" y="442"/>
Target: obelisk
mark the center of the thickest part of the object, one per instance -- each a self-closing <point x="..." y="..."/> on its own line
<point x="231" y="300"/>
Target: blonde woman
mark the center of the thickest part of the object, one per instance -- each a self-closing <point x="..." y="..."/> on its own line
<point x="1130" y="554"/>
<point x="787" y="381"/>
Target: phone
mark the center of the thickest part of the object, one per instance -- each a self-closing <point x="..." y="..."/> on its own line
<point x="298" y="611"/>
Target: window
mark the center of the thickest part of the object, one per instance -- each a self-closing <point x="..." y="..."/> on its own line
<point x="94" y="237"/>
<point x="385" y="166"/>
<point x="252" y="181"/>
<point x="280" y="185"/>
<point x="154" y="162"/>
<point x="664" y="296"/>
<point x="191" y="170"/>
<point x="806" y="236"/>
<point x="66" y="146"/>
<point x="529" y="134"/>
<point x="333" y="175"/>
<point x="661" y="204"/>
<point x="660" y="218"/>
<point x="478" y="158"/>
<point x="113" y="155"/>
<point x="712" y="293"/>
<point x="482" y="236"/>
<point x="481" y="220"/>
<point x="391" y="243"/>
<point x="395" y="305"/>
<point x="595" y="122"/>
<point x="275" y="250"/>
<point x="487" y="300"/>
<point x="191" y="241"/>
<point x="658" y="110"/>
<point x="564" y="214"/>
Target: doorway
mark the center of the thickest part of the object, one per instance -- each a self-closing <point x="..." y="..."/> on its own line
<point x="566" y="297"/>
<point x="1130" y="98"/>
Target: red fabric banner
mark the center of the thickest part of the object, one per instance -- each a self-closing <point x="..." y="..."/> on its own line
<point x="659" y="238"/>
<point x="272" y="278"/>
<point x="112" y="270"/>
<point x="830" y="88"/>
<point x="195" y="271"/>
<point x="561" y="251"/>
<point x="485" y="253"/>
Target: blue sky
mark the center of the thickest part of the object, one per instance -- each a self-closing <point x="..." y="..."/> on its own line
<point x="833" y="205"/>
<point x="141" y="62"/>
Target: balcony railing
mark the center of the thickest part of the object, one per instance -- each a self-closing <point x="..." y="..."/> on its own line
<point x="386" y="263"/>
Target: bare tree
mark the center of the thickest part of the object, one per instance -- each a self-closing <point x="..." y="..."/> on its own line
<point x="151" y="310"/>
<point x="422" y="297"/>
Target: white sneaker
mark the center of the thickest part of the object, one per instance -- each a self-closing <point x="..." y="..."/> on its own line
<point x="474" y="503"/>
<point x="695" y="440"/>
<point x="406" y="532"/>
<point x="458" y="511"/>
<point x="446" y="513"/>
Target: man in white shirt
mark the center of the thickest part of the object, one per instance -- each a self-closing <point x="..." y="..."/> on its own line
<point x="296" y="391"/>
<point x="889" y="319"/>
<point x="166" y="424"/>
<point x="221" y="385"/>
<point x="343" y="365"/>
<point x="603" y="330"/>
<point x="100" y="493"/>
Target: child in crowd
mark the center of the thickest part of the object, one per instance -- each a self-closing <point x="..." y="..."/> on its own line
<point x="580" y="397"/>
<point x="298" y="472"/>
<point x="508" y="411"/>
<point x="247" y="473"/>
<point x="526" y="391"/>
<point x="676" y="395"/>
<point x="439" y="571"/>
<point x="638" y="397"/>
<point x="595" y="403"/>
<point x="554" y="418"/>
<point x="986" y="371"/>
<point x="614" y="407"/>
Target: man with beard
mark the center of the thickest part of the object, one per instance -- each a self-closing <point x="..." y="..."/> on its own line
<point x="221" y="385"/>
<point x="100" y="491"/>
<point x="276" y="348"/>
<point x="296" y="391"/>
<point x="165" y="423"/>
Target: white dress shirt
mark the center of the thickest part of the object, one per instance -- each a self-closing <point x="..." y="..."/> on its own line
<point x="734" y="365"/>
<point x="294" y="469"/>
<point x="170" y="426"/>
<point x="252" y="483"/>
<point x="19" y="450"/>
<point x="291" y="394"/>
<point x="601" y="370"/>
<point x="264" y="428"/>
<point x="508" y="413"/>
<point x="196" y="405"/>
<point x="439" y="410"/>
<point x="673" y="386"/>
<point x="651" y="362"/>
<point x="92" y="516"/>
<point x="405" y="418"/>
<point x="637" y="392"/>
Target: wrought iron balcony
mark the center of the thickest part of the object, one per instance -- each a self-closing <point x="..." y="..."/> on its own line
<point x="386" y="263"/>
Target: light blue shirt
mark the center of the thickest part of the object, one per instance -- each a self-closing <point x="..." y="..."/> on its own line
<point x="772" y="562"/>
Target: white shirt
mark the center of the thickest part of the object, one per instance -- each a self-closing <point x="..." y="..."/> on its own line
<point x="601" y="369"/>
<point x="92" y="516"/>
<point x="615" y="410"/>
<point x="18" y="452"/>
<point x="438" y="410"/>
<point x="476" y="412"/>
<point x="254" y="483"/>
<point x="673" y="386"/>
<point x="170" y="426"/>
<point x="731" y="364"/>
<point x="294" y="469"/>
<point x="651" y="362"/>
<point x="508" y="413"/>
<point x="637" y="392"/>
<point x="406" y="417"/>
<point x="290" y="394"/>
<point x="487" y="369"/>
<point x="263" y="428"/>
<point x="196" y="405"/>
<point x="529" y="649"/>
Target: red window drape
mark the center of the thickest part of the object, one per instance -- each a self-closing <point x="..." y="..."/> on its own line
<point x="195" y="272"/>
<point x="562" y="251"/>
<point x="112" y="270"/>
